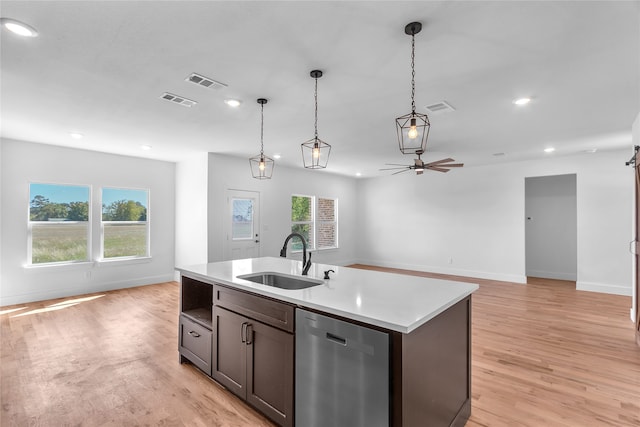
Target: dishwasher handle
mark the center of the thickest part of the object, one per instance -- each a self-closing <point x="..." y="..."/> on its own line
<point x="336" y="339"/>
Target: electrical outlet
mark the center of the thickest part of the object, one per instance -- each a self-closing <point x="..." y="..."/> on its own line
<point x="450" y="260"/>
<point x="87" y="275"/>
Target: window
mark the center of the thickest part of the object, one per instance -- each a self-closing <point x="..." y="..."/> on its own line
<point x="125" y="231"/>
<point x="327" y="224"/>
<point x="316" y="219"/>
<point x="242" y="219"/>
<point x="302" y="220"/>
<point x="58" y="223"/>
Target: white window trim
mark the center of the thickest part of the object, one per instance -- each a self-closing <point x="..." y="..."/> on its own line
<point x="125" y="259"/>
<point x="318" y="221"/>
<point x="314" y="221"/>
<point x="92" y="231"/>
<point x="58" y="264"/>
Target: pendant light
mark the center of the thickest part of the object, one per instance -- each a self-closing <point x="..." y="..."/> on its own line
<point x="261" y="165"/>
<point x="315" y="152"/>
<point x="413" y="128"/>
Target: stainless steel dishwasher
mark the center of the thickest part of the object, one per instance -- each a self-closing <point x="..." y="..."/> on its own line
<point x="342" y="373"/>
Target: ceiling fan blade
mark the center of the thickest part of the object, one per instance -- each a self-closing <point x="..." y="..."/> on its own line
<point x="452" y="165"/>
<point x="435" y="168"/>
<point x="437" y="162"/>
<point x="390" y="169"/>
<point x="395" y="164"/>
<point x="396" y="173"/>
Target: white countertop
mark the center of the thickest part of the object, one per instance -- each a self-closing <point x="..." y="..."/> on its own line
<point x="392" y="301"/>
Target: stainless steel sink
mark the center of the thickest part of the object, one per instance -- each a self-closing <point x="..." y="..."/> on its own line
<point x="282" y="281"/>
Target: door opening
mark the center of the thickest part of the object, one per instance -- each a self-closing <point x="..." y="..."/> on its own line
<point x="551" y="230"/>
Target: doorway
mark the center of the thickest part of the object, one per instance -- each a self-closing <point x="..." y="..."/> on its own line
<point x="551" y="230"/>
<point x="242" y="225"/>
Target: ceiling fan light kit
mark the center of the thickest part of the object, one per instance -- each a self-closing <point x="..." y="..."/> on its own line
<point x="315" y="152"/>
<point x="413" y="128"/>
<point x="261" y="165"/>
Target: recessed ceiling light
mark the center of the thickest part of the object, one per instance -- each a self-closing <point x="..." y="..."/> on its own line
<point x="146" y="147"/>
<point x="232" y="102"/>
<point x="499" y="154"/>
<point x="549" y="150"/>
<point x="76" y="135"/>
<point x="19" y="28"/>
<point x="591" y="151"/>
<point x="358" y="174"/>
<point x="276" y="156"/>
<point x="522" y="101"/>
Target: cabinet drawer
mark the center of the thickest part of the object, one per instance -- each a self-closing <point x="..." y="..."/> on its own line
<point x="195" y="344"/>
<point x="270" y="312"/>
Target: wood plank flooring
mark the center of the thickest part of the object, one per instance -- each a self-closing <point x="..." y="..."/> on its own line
<point x="544" y="354"/>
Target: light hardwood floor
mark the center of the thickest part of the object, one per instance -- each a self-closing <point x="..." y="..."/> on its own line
<point x="544" y="354"/>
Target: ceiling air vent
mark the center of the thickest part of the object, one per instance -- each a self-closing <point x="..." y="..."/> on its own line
<point x="205" y="81"/>
<point x="185" y="102"/>
<point x="440" y="107"/>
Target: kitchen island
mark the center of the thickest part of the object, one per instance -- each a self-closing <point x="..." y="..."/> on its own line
<point x="245" y="336"/>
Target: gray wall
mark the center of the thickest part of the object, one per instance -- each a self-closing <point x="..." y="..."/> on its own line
<point x="551" y="227"/>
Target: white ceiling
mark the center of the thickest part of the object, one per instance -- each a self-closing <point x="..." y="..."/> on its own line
<point x="100" y="67"/>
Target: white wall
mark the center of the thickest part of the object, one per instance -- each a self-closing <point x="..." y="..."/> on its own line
<point x="474" y="217"/>
<point x="234" y="173"/>
<point x="191" y="210"/>
<point x="551" y="242"/>
<point x="23" y="162"/>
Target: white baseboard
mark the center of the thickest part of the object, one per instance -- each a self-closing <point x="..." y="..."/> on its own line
<point x="75" y="291"/>
<point x="552" y="275"/>
<point x="514" y="278"/>
<point x="603" y="288"/>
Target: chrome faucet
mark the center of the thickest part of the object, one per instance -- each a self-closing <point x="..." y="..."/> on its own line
<point x="305" y="264"/>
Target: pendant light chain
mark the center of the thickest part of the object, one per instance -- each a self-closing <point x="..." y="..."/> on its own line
<point x="316" y="103"/>
<point x="413" y="73"/>
<point x="261" y="130"/>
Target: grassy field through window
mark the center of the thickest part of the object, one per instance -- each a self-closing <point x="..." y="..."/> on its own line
<point x="59" y="243"/>
<point x="125" y="240"/>
<point x="68" y="242"/>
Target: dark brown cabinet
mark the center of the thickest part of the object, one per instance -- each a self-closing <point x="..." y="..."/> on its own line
<point x="195" y="332"/>
<point x="195" y="344"/>
<point x="253" y="359"/>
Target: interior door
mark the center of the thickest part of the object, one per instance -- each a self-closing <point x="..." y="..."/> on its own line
<point x="242" y="225"/>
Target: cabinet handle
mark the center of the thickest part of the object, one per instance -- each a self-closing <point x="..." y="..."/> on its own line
<point x="243" y="332"/>
<point x="249" y="332"/>
<point x="194" y="334"/>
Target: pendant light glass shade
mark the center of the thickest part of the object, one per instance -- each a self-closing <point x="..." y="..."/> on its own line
<point x="315" y="152"/>
<point x="261" y="165"/>
<point x="413" y="128"/>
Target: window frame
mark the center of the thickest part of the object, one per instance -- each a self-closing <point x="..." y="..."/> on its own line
<point x="314" y="221"/>
<point x="101" y="256"/>
<point x="311" y="222"/>
<point x="44" y="224"/>
<point x="335" y="222"/>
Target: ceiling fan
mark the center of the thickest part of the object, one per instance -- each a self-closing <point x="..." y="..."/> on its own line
<point x="419" y="166"/>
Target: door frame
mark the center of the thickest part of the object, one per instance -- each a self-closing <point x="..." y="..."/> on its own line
<point x="635" y="244"/>
<point x="226" y="227"/>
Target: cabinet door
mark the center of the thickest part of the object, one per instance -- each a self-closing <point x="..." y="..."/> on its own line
<point x="270" y="372"/>
<point x="229" y="351"/>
